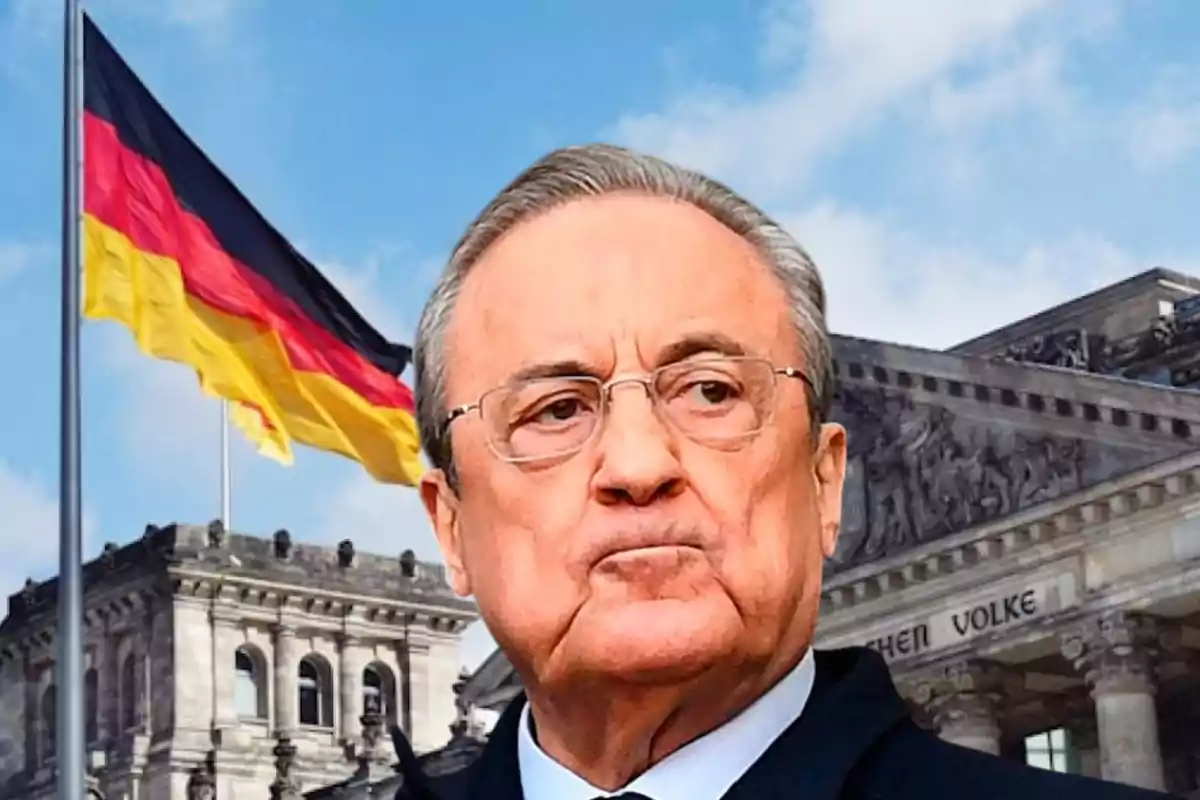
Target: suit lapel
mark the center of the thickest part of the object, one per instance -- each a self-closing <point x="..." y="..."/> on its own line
<point x="852" y="705"/>
<point x="496" y="774"/>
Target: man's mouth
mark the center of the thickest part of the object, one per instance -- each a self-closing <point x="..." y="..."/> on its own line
<point x="653" y="557"/>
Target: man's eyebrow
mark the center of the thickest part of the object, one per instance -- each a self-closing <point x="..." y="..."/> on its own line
<point x="708" y="342"/>
<point x="568" y="368"/>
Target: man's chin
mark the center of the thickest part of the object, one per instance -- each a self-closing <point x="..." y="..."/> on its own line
<point x="654" y="641"/>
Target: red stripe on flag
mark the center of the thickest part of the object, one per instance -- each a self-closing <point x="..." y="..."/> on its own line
<point x="131" y="194"/>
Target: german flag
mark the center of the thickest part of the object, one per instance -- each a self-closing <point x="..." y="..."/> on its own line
<point x="173" y="251"/>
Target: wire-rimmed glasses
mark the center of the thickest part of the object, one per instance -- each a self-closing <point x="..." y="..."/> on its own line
<point x="714" y="401"/>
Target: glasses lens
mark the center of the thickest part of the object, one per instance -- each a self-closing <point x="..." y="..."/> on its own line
<point x="717" y="399"/>
<point x="541" y="418"/>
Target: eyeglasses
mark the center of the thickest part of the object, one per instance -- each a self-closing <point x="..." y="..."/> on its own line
<point x="713" y="401"/>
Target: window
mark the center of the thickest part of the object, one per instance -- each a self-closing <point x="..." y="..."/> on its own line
<point x="1050" y="750"/>
<point x="129" y="692"/>
<point x="49" y="710"/>
<point x="316" y="695"/>
<point x="379" y="691"/>
<point x="249" y="697"/>
<point x="372" y="691"/>
<point x="91" y="711"/>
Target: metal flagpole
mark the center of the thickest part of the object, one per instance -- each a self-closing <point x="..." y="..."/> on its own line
<point x="225" y="466"/>
<point x="69" y="734"/>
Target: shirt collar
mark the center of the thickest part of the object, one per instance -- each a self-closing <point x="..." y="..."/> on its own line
<point x="701" y="770"/>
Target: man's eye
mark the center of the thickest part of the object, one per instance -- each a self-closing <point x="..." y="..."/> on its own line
<point x="561" y="410"/>
<point x="710" y="393"/>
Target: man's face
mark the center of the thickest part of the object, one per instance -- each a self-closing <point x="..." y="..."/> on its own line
<point x="615" y="284"/>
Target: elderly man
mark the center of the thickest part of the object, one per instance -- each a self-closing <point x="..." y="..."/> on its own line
<point x="623" y="383"/>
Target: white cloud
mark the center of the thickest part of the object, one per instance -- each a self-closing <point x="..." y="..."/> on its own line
<point x="888" y="283"/>
<point x="853" y="61"/>
<point x="29" y="533"/>
<point x="380" y="518"/>
<point x="1032" y="79"/>
<point x="31" y="529"/>
<point x="1163" y="127"/>
<point x="165" y="417"/>
<point x="948" y="65"/>
<point x="1162" y="137"/>
<point x="30" y="26"/>
<point x="361" y="284"/>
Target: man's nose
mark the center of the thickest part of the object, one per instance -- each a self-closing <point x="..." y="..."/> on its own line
<point x="639" y="458"/>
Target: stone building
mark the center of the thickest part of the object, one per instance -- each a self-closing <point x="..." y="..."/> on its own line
<point x="1021" y="534"/>
<point x="213" y="657"/>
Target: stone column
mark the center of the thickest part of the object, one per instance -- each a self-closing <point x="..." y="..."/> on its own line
<point x="416" y="710"/>
<point x="33" y="718"/>
<point x="350" y="669"/>
<point x="146" y="673"/>
<point x="107" y="707"/>
<point x="404" y="688"/>
<point x="104" y="688"/>
<point x="962" y="700"/>
<point x="1115" y="653"/>
<point x="286" y="698"/>
<point x="1086" y="741"/>
<point x="225" y="636"/>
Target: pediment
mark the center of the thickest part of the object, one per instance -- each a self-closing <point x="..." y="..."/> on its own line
<point x="940" y="443"/>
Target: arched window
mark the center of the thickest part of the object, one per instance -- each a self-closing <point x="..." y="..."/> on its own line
<point x="49" y="711"/>
<point x="91" y="709"/>
<point x="316" y="692"/>
<point x="379" y="691"/>
<point x="129" y="692"/>
<point x="372" y="691"/>
<point x="249" y="687"/>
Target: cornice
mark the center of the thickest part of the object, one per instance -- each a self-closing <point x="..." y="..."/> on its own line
<point x="110" y="610"/>
<point x="304" y="607"/>
<point x="1055" y="394"/>
<point x="1007" y="539"/>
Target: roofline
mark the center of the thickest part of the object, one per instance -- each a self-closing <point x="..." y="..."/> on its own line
<point x="1150" y="276"/>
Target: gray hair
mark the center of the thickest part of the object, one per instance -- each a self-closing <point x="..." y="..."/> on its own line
<point x="594" y="170"/>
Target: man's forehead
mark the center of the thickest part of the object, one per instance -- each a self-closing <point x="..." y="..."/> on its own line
<point x="594" y="273"/>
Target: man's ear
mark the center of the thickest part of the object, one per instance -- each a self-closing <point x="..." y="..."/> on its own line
<point x="829" y="474"/>
<point x="441" y="504"/>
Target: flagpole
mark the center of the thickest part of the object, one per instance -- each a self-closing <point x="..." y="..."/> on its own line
<point x="226" y="480"/>
<point x="69" y="735"/>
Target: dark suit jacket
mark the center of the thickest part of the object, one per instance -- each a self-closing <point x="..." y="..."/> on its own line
<point x="854" y="741"/>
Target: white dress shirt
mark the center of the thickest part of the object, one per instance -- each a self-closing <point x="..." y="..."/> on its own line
<point x="703" y="769"/>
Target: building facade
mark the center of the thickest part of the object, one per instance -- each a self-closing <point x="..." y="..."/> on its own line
<point x="1021" y="534"/>
<point x="231" y="662"/>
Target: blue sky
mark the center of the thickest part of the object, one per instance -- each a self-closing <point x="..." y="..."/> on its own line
<point x="951" y="166"/>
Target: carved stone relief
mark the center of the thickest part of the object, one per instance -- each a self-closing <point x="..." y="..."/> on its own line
<point x="920" y="472"/>
<point x="1072" y="349"/>
<point x="1080" y="350"/>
